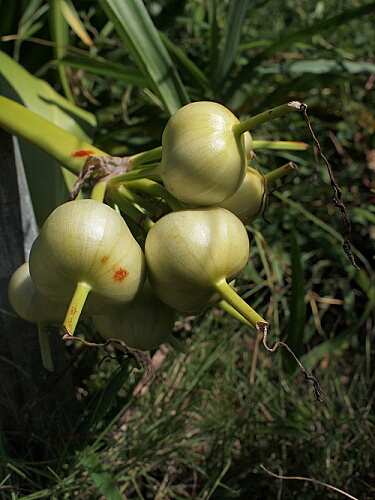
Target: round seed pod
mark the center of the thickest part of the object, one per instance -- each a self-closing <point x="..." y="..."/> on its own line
<point x="87" y="242"/>
<point x="28" y="303"/>
<point x="249" y="200"/>
<point x="189" y="252"/>
<point x="203" y="160"/>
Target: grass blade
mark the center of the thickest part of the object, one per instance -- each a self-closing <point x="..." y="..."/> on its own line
<point x="104" y="67"/>
<point x="186" y="63"/>
<point x="101" y="478"/>
<point x="136" y="29"/>
<point x="298" y="36"/>
<point x="236" y="18"/>
<point x="70" y="14"/>
<point x="297" y="318"/>
<point x="60" y="35"/>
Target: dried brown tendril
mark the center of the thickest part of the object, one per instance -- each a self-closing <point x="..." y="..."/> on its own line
<point x="337" y="194"/>
<point x="140" y="357"/>
<point x="262" y="328"/>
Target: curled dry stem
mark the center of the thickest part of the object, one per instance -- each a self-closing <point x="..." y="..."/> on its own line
<point x="263" y="328"/>
<point x="140" y="357"/>
<point x="337" y="194"/>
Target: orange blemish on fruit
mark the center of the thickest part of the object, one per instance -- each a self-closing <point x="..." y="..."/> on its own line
<point x="120" y="274"/>
<point x="82" y="152"/>
<point x="104" y="259"/>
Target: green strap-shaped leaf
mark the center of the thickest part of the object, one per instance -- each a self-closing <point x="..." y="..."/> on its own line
<point x="104" y="67"/>
<point x="186" y="63"/>
<point x="69" y="12"/>
<point x="69" y="150"/>
<point x="60" y="35"/>
<point x="236" y="18"/>
<point x="135" y="27"/>
<point x="48" y="184"/>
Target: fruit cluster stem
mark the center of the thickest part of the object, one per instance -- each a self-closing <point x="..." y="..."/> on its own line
<point x="229" y="295"/>
<point x="155" y="190"/>
<point x="280" y="172"/>
<point x="98" y="191"/>
<point x="149" y="172"/>
<point x="139" y="160"/>
<point x="266" y="116"/>
<point x="75" y="307"/>
<point x="125" y="201"/>
<point x="225" y="306"/>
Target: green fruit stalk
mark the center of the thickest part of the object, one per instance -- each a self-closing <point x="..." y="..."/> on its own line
<point x="192" y="255"/>
<point x="85" y="250"/>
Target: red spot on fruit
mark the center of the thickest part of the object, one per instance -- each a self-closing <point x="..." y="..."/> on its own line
<point x="120" y="274"/>
<point x="104" y="259"/>
<point x="82" y="152"/>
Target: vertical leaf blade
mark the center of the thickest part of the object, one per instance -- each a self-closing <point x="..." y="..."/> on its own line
<point x="236" y="18"/>
<point x="138" y="32"/>
<point x="297" y="317"/>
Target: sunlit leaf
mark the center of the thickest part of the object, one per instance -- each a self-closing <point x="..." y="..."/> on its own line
<point x="106" y="68"/>
<point x="48" y="186"/>
<point x="139" y="34"/>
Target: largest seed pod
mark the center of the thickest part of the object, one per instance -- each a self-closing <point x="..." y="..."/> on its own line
<point x="203" y="159"/>
<point x="86" y="243"/>
<point x="191" y="252"/>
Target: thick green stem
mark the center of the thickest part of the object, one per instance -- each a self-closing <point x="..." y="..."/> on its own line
<point x="156" y="190"/>
<point x="267" y="116"/>
<point x="66" y="148"/>
<point x="225" y="306"/>
<point x="228" y="294"/>
<point x="136" y="199"/>
<point x="98" y="191"/>
<point x="140" y="159"/>
<point x="75" y="308"/>
<point x="45" y="346"/>
<point x="280" y="172"/>
<point x="142" y="173"/>
<point x="124" y="199"/>
<point x="280" y="145"/>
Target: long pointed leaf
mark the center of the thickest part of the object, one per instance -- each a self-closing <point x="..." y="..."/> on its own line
<point x="236" y="18"/>
<point x="66" y="148"/>
<point x="60" y="35"/>
<point x="138" y="32"/>
<point x="297" y="318"/>
<point x="48" y="184"/>
<point x="186" y="63"/>
<point x="69" y="12"/>
<point x="105" y="68"/>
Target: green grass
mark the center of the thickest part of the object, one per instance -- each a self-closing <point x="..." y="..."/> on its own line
<point x="211" y="418"/>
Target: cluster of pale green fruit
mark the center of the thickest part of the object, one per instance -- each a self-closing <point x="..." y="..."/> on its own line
<point x="87" y="259"/>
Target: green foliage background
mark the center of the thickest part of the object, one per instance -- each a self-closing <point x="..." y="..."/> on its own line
<point x="212" y="418"/>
